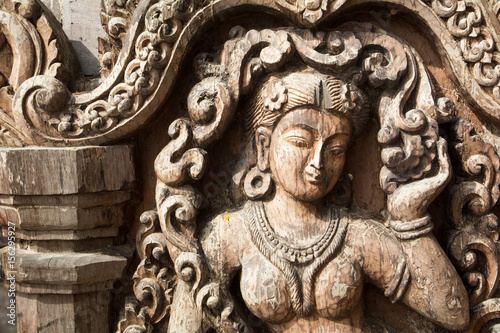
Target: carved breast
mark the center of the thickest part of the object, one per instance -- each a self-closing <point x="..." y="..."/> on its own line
<point x="264" y="287"/>
<point x="338" y="287"/>
<point x="264" y="290"/>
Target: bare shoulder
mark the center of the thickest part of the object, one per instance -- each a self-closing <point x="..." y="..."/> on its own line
<point x="220" y="239"/>
<point x="231" y="222"/>
<point x="368" y="237"/>
<point x="361" y="224"/>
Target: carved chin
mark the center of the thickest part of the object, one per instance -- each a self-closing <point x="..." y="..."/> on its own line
<point x="309" y="191"/>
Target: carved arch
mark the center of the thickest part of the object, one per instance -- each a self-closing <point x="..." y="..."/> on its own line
<point x="159" y="37"/>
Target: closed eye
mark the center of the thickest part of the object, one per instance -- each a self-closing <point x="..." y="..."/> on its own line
<point x="336" y="151"/>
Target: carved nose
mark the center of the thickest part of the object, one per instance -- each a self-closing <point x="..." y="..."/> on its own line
<point x="316" y="160"/>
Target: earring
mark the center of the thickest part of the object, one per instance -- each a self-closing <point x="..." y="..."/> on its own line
<point x="257" y="184"/>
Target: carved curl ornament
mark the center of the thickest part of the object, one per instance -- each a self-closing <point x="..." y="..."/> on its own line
<point x="366" y="56"/>
<point x="147" y="40"/>
<point x="31" y="44"/>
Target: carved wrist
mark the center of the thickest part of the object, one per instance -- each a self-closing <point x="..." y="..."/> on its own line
<point x="406" y="230"/>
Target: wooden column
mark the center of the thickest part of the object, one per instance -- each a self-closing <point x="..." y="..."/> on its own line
<point x="67" y="205"/>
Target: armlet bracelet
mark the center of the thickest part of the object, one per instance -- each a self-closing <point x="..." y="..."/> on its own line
<point x="413" y="229"/>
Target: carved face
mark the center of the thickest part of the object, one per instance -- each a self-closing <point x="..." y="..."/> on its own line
<point x="307" y="152"/>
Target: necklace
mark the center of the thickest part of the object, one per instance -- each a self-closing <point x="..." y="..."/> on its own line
<point x="284" y="249"/>
<point x="284" y="256"/>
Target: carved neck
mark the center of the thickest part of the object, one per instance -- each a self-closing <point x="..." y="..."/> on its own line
<point x="296" y="221"/>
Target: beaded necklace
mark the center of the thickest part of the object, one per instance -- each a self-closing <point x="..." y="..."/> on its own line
<point x="289" y="259"/>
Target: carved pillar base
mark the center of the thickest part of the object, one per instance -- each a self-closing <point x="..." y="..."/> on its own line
<point x="64" y="207"/>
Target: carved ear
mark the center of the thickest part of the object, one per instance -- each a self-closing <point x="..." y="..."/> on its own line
<point x="262" y="141"/>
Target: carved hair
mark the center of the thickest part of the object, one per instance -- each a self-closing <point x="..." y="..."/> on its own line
<point x="284" y="93"/>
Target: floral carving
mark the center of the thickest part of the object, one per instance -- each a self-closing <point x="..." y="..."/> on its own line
<point x="115" y="19"/>
<point x="465" y="21"/>
<point x="311" y="10"/>
<point x="275" y="96"/>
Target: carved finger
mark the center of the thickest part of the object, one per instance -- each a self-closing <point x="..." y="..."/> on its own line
<point x="444" y="160"/>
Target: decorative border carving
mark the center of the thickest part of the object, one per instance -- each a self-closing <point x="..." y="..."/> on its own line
<point x="140" y="76"/>
<point x="473" y="244"/>
<point x="466" y="22"/>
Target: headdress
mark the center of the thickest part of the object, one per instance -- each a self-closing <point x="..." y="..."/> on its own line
<point x="281" y="94"/>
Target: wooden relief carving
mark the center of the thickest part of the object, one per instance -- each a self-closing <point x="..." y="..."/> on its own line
<point x="298" y="252"/>
<point x="32" y="44"/>
<point x="285" y="247"/>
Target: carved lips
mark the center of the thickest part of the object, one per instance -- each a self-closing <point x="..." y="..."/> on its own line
<point x="313" y="175"/>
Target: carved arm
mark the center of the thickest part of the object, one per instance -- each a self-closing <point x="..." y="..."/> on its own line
<point x="435" y="289"/>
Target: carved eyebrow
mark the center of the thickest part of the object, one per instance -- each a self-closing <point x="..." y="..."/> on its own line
<point x="333" y="137"/>
<point x="299" y="134"/>
<point x="311" y="130"/>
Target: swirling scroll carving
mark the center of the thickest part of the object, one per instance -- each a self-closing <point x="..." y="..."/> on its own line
<point x="190" y="268"/>
<point x="39" y="100"/>
<point x="178" y="208"/>
<point x="473" y="199"/>
<point x="476" y="255"/>
<point x="141" y="57"/>
<point x="341" y="47"/>
<point x="38" y="43"/>
<point x="148" y="38"/>
<point x="154" y="279"/>
<point x="473" y="247"/>
<point x="176" y="161"/>
<point x="39" y="47"/>
<point x="210" y="106"/>
<point x="115" y="20"/>
<point x="465" y="20"/>
<point x="483" y="316"/>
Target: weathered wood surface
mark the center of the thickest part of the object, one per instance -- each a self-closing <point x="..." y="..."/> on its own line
<point x="271" y="251"/>
<point x="67" y="205"/>
<point x="190" y="83"/>
<point x="148" y="42"/>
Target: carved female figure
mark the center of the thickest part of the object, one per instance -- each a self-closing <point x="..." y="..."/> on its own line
<point x="304" y="260"/>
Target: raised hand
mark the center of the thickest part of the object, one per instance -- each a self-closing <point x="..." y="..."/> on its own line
<point x="410" y="201"/>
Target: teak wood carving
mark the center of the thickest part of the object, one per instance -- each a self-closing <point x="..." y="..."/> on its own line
<point x="285" y="246"/>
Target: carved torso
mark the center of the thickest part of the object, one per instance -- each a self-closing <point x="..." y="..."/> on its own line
<point x="333" y="281"/>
